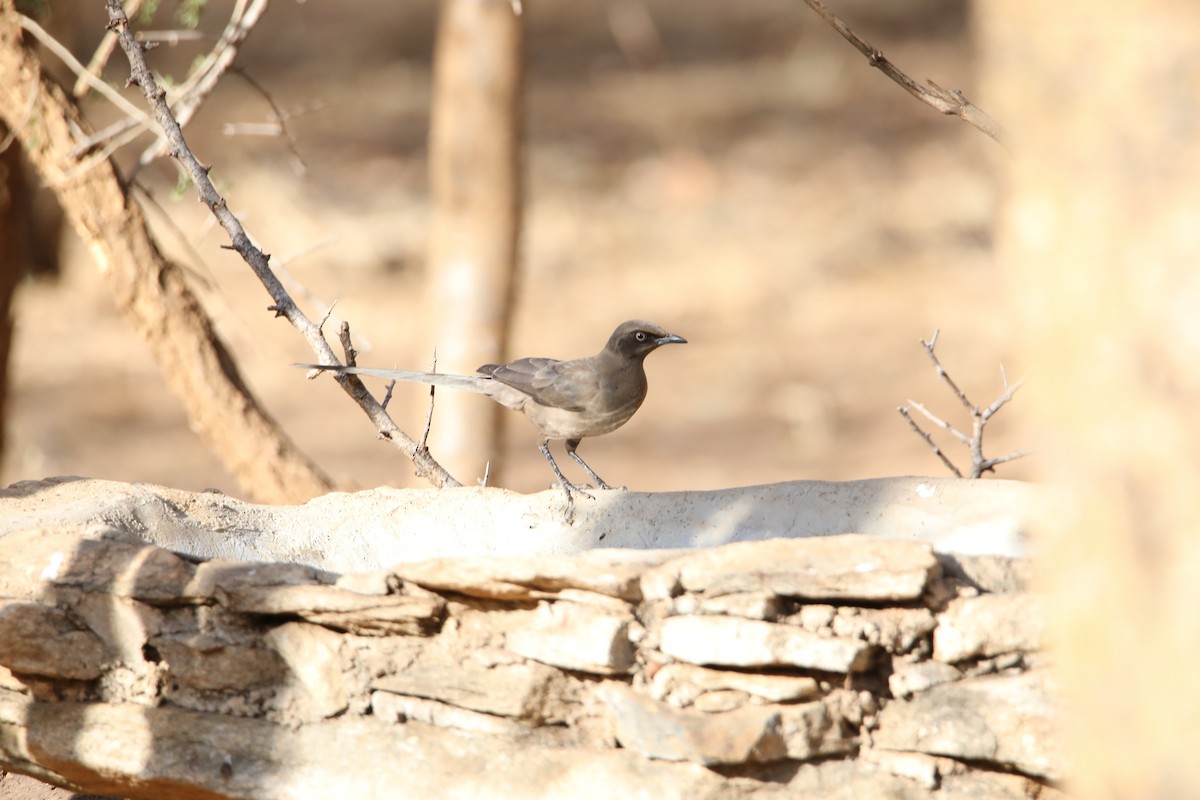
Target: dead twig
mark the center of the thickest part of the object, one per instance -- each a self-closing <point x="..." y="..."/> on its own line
<point x="188" y="96"/>
<point x="281" y="302"/>
<point x="64" y="55"/>
<point x="429" y="416"/>
<point x="345" y="329"/>
<point x="277" y="127"/>
<point x="949" y="102"/>
<point x="99" y="59"/>
<point x="203" y="79"/>
<point x="344" y="338"/>
<point x="387" y="398"/>
<point x="929" y="440"/>
<point x="979" y="419"/>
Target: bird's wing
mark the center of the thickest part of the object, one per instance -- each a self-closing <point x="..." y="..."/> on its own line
<point x="568" y="385"/>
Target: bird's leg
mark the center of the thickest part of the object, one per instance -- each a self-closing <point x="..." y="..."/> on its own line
<point x="567" y="486"/>
<point x="571" y="445"/>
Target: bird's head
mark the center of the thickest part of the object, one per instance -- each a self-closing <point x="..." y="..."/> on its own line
<point x="637" y="338"/>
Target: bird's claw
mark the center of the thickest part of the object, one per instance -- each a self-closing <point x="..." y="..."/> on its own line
<point x="571" y="489"/>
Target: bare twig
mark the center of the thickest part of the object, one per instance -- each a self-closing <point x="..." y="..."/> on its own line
<point x="945" y="376"/>
<point x="992" y="463"/>
<point x="203" y="80"/>
<point x="64" y="55"/>
<point x="99" y="58"/>
<point x="325" y="319"/>
<point x="347" y="345"/>
<point x="387" y="398"/>
<point x="113" y="137"/>
<point x="952" y="103"/>
<point x="188" y="96"/>
<point x="280" y="122"/>
<point x="351" y="357"/>
<point x="929" y="440"/>
<point x="941" y="423"/>
<point x="429" y="416"/>
<point x="281" y="303"/>
<point x="1009" y="391"/>
<point x="979" y="419"/>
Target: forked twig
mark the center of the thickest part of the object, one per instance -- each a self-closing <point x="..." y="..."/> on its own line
<point x="979" y="419"/>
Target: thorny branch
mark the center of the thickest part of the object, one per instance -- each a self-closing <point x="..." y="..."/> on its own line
<point x="186" y="98"/>
<point x="203" y="80"/>
<point x="979" y="419"/>
<point x="952" y="103"/>
<point x="99" y="59"/>
<point x="282" y="303"/>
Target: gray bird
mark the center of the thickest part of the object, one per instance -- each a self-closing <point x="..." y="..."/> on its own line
<point x="568" y="400"/>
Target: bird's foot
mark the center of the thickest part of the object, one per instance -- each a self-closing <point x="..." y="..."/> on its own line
<point x="566" y="485"/>
<point x="571" y="489"/>
<point x="607" y="488"/>
<point x="600" y="482"/>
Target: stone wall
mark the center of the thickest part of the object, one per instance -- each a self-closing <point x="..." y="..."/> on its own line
<point x="839" y="667"/>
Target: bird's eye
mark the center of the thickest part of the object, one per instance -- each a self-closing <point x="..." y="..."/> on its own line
<point x="640" y="336"/>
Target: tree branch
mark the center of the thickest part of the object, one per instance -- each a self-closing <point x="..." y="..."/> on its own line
<point x="149" y="291"/>
<point x="132" y="112"/>
<point x="937" y="451"/>
<point x="188" y="96"/>
<point x="99" y="59"/>
<point x="979" y="419"/>
<point x="204" y="78"/>
<point x="951" y="103"/>
<point x="281" y="301"/>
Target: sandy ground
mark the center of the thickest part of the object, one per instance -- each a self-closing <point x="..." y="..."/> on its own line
<point x="758" y="189"/>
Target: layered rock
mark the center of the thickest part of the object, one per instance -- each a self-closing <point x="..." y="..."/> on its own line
<point x="844" y="666"/>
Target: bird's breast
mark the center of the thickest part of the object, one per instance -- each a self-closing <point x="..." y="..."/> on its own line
<point x="607" y="412"/>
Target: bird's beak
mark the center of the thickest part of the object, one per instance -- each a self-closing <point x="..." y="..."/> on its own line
<point x="670" y="338"/>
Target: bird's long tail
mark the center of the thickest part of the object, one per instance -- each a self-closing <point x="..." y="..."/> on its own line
<point x="466" y="383"/>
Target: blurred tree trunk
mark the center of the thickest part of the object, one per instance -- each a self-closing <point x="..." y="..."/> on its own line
<point x="12" y="264"/>
<point x="1100" y="236"/>
<point x="476" y="184"/>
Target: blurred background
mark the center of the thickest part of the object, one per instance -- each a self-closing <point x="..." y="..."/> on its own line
<point x="733" y="171"/>
<point x="740" y="175"/>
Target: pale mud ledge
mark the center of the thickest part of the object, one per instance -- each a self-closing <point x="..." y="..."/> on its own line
<point x="870" y="639"/>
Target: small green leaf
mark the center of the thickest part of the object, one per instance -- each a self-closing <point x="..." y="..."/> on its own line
<point x="182" y="187"/>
